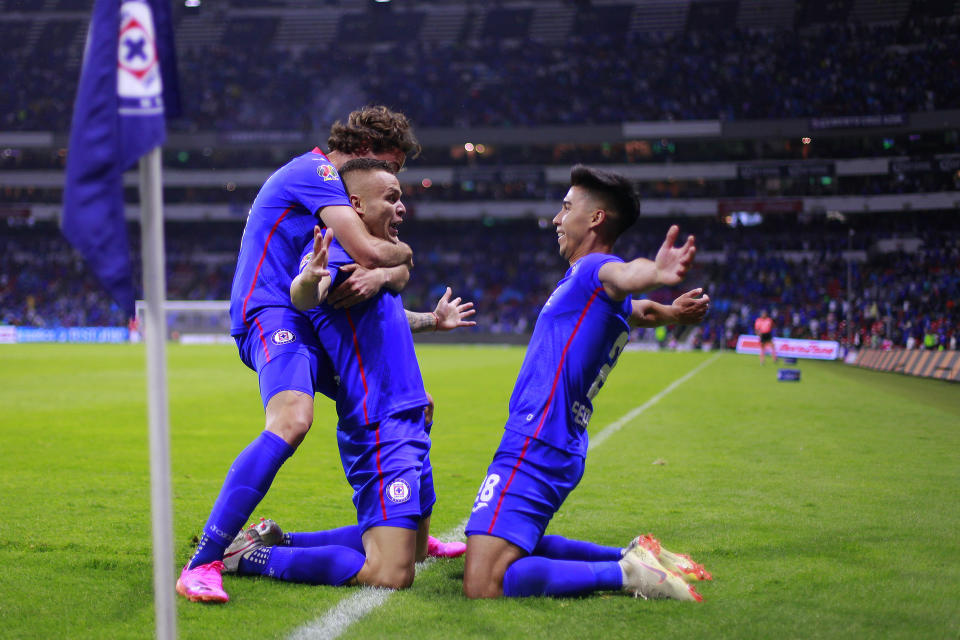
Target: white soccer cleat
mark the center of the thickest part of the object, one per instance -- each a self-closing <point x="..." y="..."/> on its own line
<point x="646" y="578"/>
<point x="679" y="563"/>
<point x="265" y="533"/>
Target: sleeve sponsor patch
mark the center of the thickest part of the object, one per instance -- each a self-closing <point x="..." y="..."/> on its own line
<point x="327" y="172"/>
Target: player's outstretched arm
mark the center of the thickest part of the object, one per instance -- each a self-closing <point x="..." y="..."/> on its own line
<point x="363" y="284"/>
<point x="621" y="279"/>
<point x="310" y="286"/>
<point x="686" y="309"/>
<point x="367" y="250"/>
<point x="449" y="315"/>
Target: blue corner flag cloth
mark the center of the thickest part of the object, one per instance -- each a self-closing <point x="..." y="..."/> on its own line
<point x="127" y="84"/>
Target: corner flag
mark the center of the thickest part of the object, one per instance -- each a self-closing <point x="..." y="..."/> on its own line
<point x="127" y="82"/>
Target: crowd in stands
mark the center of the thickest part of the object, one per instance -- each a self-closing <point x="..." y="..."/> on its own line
<point x="798" y="274"/>
<point x="793" y="268"/>
<point x="602" y="77"/>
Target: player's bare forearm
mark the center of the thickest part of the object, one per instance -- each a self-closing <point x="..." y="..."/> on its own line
<point x="647" y="313"/>
<point x="307" y="292"/>
<point x="450" y="314"/>
<point x="620" y="279"/>
<point x="396" y="278"/>
<point x="420" y="322"/>
<point x="367" y="250"/>
<point x="689" y="308"/>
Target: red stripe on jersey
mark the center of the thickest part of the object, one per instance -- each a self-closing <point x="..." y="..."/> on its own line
<point x="256" y="274"/>
<point x="263" y="339"/>
<point x="503" y="492"/>
<point x="363" y="376"/>
<point x="563" y="357"/>
<point x="383" y="504"/>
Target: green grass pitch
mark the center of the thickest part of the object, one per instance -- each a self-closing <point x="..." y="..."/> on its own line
<point x="825" y="508"/>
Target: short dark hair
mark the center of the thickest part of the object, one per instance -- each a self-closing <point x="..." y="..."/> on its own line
<point x="617" y="193"/>
<point x="358" y="165"/>
<point x="375" y="129"/>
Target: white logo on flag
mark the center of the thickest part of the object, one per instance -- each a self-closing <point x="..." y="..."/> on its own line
<point x="139" y="84"/>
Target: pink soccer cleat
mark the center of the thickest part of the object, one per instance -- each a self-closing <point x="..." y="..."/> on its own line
<point x="437" y="549"/>
<point x="203" y="583"/>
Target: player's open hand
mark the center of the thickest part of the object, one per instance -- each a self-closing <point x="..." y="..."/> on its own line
<point x="689" y="309"/>
<point x="673" y="262"/>
<point x="362" y="285"/>
<point x="316" y="266"/>
<point x="452" y="314"/>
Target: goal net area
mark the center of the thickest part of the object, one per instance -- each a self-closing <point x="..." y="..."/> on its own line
<point x="190" y="321"/>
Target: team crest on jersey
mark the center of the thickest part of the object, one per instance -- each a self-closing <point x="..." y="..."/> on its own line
<point x="327" y="172"/>
<point x="139" y="87"/>
<point x="283" y="336"/>
<point x="398" y="491"/>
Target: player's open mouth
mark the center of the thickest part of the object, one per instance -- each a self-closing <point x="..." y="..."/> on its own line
<point x="560" y="235"/>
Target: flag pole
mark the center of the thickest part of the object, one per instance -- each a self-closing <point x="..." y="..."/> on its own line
<point x="155" y="337"/>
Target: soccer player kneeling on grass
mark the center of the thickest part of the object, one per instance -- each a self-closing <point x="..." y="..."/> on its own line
<point x="382" y="432"/>
<point x="274" y="338"/>
<point x="576" y="341"/>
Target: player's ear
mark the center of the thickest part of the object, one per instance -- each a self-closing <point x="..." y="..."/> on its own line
<point x="598" y="217"/>
<point x="356" y="203"/>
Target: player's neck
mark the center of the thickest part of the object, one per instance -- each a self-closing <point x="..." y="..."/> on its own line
<point x="338" y="158"/>
<point x="592" y="244"/>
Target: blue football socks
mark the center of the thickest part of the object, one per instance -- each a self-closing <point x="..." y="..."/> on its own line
<point x="344" y="537"/>
<point x="248" y="480"/>
<point x="332" y="565"/>
<point x="538" y="576"/>
<point x="560" y="548"/>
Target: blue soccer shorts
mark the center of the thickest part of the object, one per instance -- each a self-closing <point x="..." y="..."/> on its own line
<point x="388" y="466"/>
<point x="526" y="483"/>
<point x="281" y="345"/>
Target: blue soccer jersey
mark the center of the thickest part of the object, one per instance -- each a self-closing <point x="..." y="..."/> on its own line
<point x="280" y="222"/>
<point x="372" y="351"/>
<point x="576" y="342"/>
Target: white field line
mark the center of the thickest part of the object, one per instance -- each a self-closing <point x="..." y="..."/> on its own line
<point x="366" y="599"/>
<point x="613" y="427"/>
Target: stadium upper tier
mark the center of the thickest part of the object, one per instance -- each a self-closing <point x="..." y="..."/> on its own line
<point x="295" y="65"/>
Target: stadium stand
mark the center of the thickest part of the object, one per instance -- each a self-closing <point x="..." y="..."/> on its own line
<point x="820" y="118"/>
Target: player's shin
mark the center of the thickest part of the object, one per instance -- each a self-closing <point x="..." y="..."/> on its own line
<point x="246" y="483"/>
<point x="560" y="548"/>
<point x="344" y="536"/>
<point x="332" y="565"/>
<point x="539" y="576"/>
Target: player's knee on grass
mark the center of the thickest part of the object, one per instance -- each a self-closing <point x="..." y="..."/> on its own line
<point x="386" y="576"/>
<point x="390" y="555"/>
<point x="487" y="560"/>
<point x="289" y="415"/>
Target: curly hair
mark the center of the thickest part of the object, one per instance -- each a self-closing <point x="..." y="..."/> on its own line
<point x="374" y="129"/>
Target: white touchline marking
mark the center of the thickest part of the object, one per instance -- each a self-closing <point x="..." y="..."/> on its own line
<point x="364" y="600"/>
<point x="613" y="427"/>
